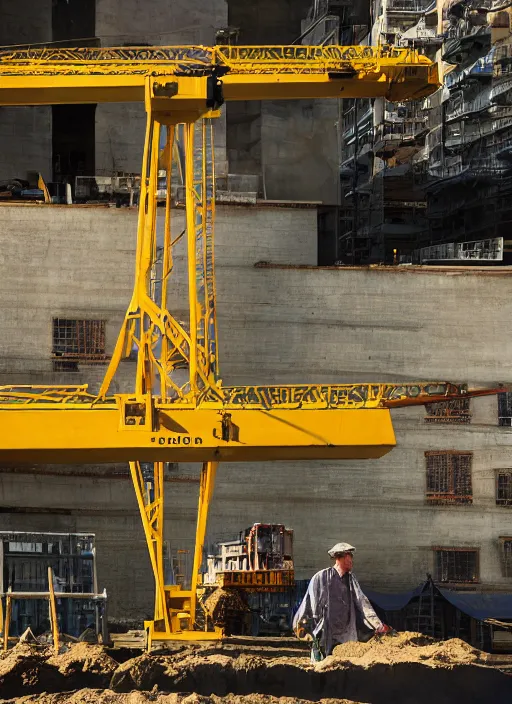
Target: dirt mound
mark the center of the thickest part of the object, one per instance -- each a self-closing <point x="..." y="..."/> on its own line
<point x="380" y="682"/>
<point x="25" y="669"/>
<point x="93" y="696"/>
<point x="138" y="673"/>
<point x="405" y="647"/>
<point x="403" y="670"/>
<point x="32" y="669"/>
<point x="86" y="665"/>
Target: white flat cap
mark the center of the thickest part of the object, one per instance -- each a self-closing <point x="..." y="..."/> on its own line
<point x="340" y="548"/>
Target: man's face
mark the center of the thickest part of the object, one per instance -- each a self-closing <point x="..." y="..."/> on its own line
<point x="345" y="561"/>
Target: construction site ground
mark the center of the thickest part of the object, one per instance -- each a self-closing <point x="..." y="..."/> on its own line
<point x="408" y="668"/>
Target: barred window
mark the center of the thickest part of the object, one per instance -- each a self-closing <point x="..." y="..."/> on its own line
<point x="506" y="555"/>
<point x="456" y="411"/>
<point x="505" y="409"/>
<point x="77" y="340"/>
<point x="504" y="488"/>
<point x="457" y="565"/>
<point x="449" y="477"/>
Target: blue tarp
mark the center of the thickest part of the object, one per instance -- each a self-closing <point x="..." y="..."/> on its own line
<point x="480" y="605"/>
<point x="393" y="602"/>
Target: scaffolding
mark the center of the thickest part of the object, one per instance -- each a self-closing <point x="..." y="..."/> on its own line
<point x="24" y="562"/>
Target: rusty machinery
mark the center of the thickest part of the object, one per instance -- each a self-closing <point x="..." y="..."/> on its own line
<point x="258" y="562"/>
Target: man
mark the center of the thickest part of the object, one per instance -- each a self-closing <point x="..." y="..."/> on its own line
<point x="335" y="610"/>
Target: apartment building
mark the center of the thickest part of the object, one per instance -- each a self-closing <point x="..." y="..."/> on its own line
<point x="429" y="181"/>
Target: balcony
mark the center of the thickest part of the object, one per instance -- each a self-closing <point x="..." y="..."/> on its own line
<point x="409" y="7"/>
<point x="394" y="133"/>
<point x="459" y="105"/>
<point x="421" y="36"/>
<point x="472" y="51"/>
<point x="503" y="60"/>
<point x="480" y="250"/>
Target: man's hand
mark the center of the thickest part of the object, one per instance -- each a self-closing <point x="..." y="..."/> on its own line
<point x="384" y="629"/>
<point x="303" y="630"/>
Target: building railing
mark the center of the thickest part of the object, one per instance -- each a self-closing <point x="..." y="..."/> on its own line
<point x="409" y="6"/>
<point x="481" y="250"/>
<point x="459" y="106"/>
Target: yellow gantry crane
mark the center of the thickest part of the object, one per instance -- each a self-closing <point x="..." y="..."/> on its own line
<point x="200" y="420"/>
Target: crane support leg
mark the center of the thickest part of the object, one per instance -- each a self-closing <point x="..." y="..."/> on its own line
<point x="148" y="481"/>
<point x="175" y="608"/>
<point x="207" y="483"/>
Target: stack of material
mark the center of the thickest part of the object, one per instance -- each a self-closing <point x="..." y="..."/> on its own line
<point x="223" y="604"/>
<point x="131" y="639"/>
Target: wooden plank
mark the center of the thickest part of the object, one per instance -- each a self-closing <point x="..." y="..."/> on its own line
<point x="53" y="612"/>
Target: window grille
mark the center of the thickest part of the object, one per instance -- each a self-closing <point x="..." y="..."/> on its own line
<point x="456" y="411"/>
<point x="504" y="488"/>
<point x="457" y="565"/>
<point x="449" y="477"/>
<point x="77" y="341"/>
<point x="505" y="409"/>
<point x="506" y="555"/>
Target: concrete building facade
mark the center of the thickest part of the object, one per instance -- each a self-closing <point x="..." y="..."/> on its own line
<point x="281" y="319"/>
<point x="429" y="181"/>
<point x="288" y="149"/>
<point x="25" y="132"/>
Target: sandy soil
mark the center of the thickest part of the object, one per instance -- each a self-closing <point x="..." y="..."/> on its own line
<point x="406" y="669"/>
<point x="405" y="647"/>
<point x="91" y="696"/>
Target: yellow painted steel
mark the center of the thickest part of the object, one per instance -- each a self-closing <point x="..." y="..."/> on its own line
<point x="118" y="74"/>
<point x="194" y="435"/>
<point x="207" y="483"/>
<point x="150" y="499"/>
<point x="165" y="419"/>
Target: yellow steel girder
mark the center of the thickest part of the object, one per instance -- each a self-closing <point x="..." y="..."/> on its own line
<point x="97" y="75"/>
<point x="195" y="435"/>
<point x="68" y="424"/>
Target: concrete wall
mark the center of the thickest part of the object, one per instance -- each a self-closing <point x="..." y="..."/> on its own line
<point x="267" y="21"/>
<point x="78" y="262"/>
<point x="120" y="128"/>
<point x="276" y="324"/>
<point x="291" y="145"/>
<point x="299" y="143"/>
<point x="25" y="133"/>
<point x="60" y="262"/>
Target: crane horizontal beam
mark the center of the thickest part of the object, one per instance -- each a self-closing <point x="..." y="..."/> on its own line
<point x="97" y="75"/>
<point x="252" y="423"/>
<point x="197" y="435"/>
